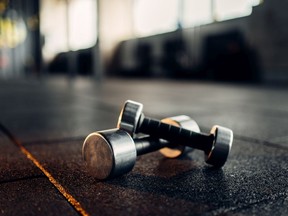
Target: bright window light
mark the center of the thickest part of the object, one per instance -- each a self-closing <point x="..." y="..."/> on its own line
<point x="197" y="12"/>
<point x="229" y="9"/>
<point x="158" y="16"/>
<point x="256" y="2"/>
<point x="53" y="28"/>
<point x="82" y="24"/>
<point x="154" y="17"/>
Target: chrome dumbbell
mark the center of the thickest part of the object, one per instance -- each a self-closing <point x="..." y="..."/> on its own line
<point x="215" y="145"/>
<point x="113" y="152"/>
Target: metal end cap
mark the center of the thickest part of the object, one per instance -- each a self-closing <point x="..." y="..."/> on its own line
<point x="221" y="146"/>
<point x="183" y="121"/>
<point x="109" y="153"/>
<point x="130" y="116"/>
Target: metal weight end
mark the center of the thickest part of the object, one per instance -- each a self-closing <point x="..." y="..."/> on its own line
<point x="130" y="116"/>
<point x="109" y="153"/>
<point x="221" y="146"/>
<point x="184" y="122"/>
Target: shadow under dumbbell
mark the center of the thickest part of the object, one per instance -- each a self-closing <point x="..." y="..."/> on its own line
<point x="199" y="184"/>
<point x="168" y="167"/>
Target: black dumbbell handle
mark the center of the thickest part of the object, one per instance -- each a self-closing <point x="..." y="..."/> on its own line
<point x="176" y="134"/>
<point x="149" y="144"/>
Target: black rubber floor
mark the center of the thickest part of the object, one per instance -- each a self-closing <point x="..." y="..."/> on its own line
<point x="42" y="171"/>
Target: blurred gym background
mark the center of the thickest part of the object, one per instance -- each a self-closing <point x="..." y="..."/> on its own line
<point x="217" y="40"/>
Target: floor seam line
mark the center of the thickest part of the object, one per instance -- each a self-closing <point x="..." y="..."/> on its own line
<point x="75" y="204"/>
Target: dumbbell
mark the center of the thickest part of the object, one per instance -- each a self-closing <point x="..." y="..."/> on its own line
<point x="113" y="152"/>
<point x="216" y="145"/>
<point x="174" y="150"/>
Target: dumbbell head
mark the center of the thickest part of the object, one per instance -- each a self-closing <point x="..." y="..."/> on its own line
<point x="130" y="116"/>
<point x="109" y="153"/>
<point x="184" y="122"/>
<point x="221" y="147"/>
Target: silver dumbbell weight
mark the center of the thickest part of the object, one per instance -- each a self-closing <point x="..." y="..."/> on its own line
<point x="113" y="152"/>
<point x="216" y="145"/>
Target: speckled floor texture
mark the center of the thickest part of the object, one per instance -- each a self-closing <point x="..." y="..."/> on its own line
<point x="42" y="171"/>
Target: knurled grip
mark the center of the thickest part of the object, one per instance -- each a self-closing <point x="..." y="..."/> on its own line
<point x="175" y="134"/>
